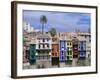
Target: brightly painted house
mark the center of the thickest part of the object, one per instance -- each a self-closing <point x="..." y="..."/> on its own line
<point x="32" y="54"/>
<point x="69" y="52"/>
<point x="75" y="47"/>
<point x="25" y="54"/>
<point x="81" y="48"/>
<point x="26" y="41"/>
<point x="55" y="54"/>
<point x="62" y="50"/>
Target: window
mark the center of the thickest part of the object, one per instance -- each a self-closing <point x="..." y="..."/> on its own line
<point x="48" y="45"/>
<point x="85" y="36"/>
<point x="53" y="54"/>
<point x="67" y="48"/>
<point x="43" y="40"/>
<point x="68" y="43"/>
<point x="52" y="49"/>
<point x="43" y="46"/>
<point x="47" y="57"/>
<point x="38" y="51"/>
<point x="81" y="47"/>
<point x="43" y="52"/>
<point x="70" y="53"/>
<point x="39" y="46"/>
<point x="89" y="40"/>
<point x="88" y="55"/>
<point x="39" y="39"/>
<point x="43" y="57"/>
<point x="26" y="56"/>
<point x="62" y="52"/>
<point x="81" y="53"/>
<point x="62" y="48"/>
<point x="68" y="57"/>
<point x="32" y="51"/>
<point x="47" y="39"/>
<point x="62" y="57"/>
<point x="32" y="56"/>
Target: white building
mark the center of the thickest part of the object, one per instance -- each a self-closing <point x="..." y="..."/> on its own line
<point x="43" y="48"/>
<point x="88" y="50"/>
<point x="87" y="36"/>
<point x="27" y="27"/>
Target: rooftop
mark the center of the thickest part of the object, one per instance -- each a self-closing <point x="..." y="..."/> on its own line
<point x="43" y="36"/>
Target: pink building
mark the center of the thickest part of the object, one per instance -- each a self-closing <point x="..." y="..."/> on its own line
<point x="25" y="55"/>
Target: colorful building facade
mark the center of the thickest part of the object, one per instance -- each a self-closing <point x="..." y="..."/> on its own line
<point x="62" y="51"/>
<point x="32" y="54"/>
<point x="82" y="50"/>
<point x="25" y="55"/>
<point x="55" y="54"/>
<point x="75" y="47"/>
<point x="69" y="52"/>
<point x="44" y="50"/>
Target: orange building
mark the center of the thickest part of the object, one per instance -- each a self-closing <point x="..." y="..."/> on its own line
<point x="55" y="54"/>
<point x="55" y="50"/>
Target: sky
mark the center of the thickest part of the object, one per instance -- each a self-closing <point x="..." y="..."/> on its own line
<point x="61" y="21"/>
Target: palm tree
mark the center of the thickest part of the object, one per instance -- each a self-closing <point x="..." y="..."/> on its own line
<point x="43" y="20"/>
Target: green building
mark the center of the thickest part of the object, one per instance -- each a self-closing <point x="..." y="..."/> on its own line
<point x="32" y="54"/>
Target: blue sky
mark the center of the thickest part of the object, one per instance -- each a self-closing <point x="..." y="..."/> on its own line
<point x="61" y="21"/>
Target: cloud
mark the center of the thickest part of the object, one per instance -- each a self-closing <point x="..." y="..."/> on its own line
<point x="62" y="21"/>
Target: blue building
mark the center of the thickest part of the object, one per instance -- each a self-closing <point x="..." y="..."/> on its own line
<point x="62" y="51"/>
<point x="81" y="49"/>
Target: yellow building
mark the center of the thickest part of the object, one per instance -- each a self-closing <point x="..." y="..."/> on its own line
<point x="69" y="53"/>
